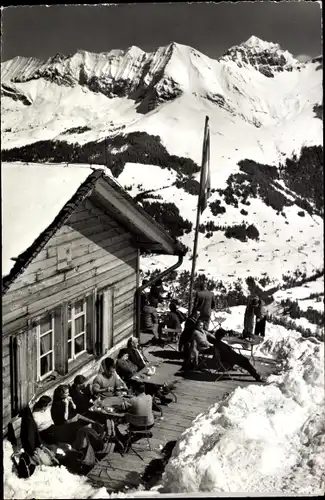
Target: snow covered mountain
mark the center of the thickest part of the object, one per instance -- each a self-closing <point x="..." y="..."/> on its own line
<point x="263" y="104"/>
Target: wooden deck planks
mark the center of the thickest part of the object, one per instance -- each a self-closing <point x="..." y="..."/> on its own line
<point x="193" y="397"/>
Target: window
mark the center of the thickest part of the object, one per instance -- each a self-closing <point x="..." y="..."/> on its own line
<point x="76" y="328"/>
<point x="45" y="346"/>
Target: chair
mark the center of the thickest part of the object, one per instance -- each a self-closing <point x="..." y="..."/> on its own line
<point x="221" y="368"/>
<point x="134" y="435"/>
<point x="169" y="336"/>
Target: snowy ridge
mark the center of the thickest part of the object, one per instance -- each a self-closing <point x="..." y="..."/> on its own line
<point x="164" y="92"/>
<point x="266" y="57"/>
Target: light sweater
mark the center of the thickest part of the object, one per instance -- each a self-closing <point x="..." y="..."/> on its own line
<point x="43" y="419"/>
<point x="114" y="382"/>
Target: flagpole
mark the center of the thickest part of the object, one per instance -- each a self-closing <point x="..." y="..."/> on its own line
<point x="196" y="238"/>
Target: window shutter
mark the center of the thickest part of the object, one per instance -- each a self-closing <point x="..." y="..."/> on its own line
<point x="61" y="339"/>
<point x="91" y="322"/>
<point x="31" y="362"/>
<point x="107" y="319"/>
<point x="25" y="367"/>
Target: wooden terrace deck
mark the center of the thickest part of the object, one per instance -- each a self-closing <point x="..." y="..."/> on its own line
<point x="194" y="396"/>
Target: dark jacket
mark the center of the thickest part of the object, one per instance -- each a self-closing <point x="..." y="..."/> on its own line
<point x="125" y="368"/>
<point x="143" y="300"/>
<point x="186" y="334"/>
<point x="135" y="357"/>
<point x="29" y="435"/>
<point x="172" y="320"/>
<point x="156" y="291"/>
<point x="204" y="301"/>
<point x="227" y="354"/>
<point x="249" y="317"/>
<point x="260" y="310"/>
<point x="81" y="399"/>
<point x="57" y="412"/>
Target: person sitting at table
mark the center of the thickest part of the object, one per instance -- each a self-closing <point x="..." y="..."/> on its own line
<point x="139" y="414"/>
<point x="81" y="394"/>
<point x="173" y="319"/>
<point x="150" y="318"/>
<point x="109" y="381"/>
<point x="134" y="353"/>
<point x="124" y="367"/>
<point x="229" y="357"/>
<point x="48" y="431"/>
<point x="63" y="408"/>
<point x="136" y="357"/>
<point x="82" y="398"/>
<point x="202" y="342"/>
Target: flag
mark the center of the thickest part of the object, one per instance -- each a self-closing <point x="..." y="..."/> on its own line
<point x="205" y="184"/>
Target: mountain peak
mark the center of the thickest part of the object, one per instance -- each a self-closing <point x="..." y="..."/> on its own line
<point x="259" y="45"/>
<point x="266" y="57"/>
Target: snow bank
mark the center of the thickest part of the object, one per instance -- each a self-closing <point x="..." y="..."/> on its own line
<point x="46" y="482"/>
<point x="267" y="438"/>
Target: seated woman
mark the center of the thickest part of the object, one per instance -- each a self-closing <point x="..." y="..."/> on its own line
<point x="49" y="432"/>
<point x="109" y="382"/>
<point x="63" y="408"/>
<point x="136" y="357"/>
<point x="201" y="342"/>
<point x="124" y="367"/>
<point x="134" y="354"/>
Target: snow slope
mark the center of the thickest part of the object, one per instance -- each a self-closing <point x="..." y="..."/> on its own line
<point x="285" y="244"/>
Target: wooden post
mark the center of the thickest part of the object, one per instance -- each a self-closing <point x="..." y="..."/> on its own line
<point x="196" y="238"/>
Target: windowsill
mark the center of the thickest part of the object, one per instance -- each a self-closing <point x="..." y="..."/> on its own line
<point x="55" y="378"/>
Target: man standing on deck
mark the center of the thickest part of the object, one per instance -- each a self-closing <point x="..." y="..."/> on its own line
<point x="204" y="302"/>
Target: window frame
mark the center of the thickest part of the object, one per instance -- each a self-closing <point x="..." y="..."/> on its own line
<point x="71" y="321"/>
<point x="39" y="335"/>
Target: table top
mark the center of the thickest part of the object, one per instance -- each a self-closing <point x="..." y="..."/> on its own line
<point x="255" y="340"/>
<point x="157" y="378"/>
<point x="107" y="406"/>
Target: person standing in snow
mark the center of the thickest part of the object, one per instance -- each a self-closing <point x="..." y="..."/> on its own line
<point x="260" y="318"/>
<point x="204" y="302"/>
<point x="249" y="317"/>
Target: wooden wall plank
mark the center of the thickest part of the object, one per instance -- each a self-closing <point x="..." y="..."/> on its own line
<point x="65" y="280"/>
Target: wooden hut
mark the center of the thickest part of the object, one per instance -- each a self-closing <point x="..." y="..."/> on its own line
<point x="72" y="238"/>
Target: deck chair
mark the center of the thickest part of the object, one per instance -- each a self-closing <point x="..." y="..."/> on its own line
<point x="134" y="435"/>
<point x="221" y="368"/>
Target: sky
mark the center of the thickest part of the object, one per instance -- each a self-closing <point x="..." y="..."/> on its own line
<point x="211" y="28"/>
